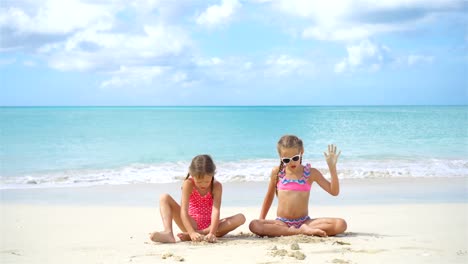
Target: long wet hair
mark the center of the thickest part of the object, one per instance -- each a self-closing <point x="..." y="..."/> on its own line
<point x="287" y="141"/>
<point x="200" y="166"/>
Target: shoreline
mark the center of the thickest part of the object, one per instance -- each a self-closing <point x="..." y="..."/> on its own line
<point x="352" y="192"/>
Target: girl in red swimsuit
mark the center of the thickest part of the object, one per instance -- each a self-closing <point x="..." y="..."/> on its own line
<point x="198" y="215"/>
<point x="291" y="181"/>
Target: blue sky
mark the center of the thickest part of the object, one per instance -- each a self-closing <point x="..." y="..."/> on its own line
<point x="231" y="52"/>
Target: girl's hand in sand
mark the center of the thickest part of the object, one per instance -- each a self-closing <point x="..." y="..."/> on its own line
<point x="196" y="237"/>
<point x="331" y="157"/>
<point x="210" y="238"/>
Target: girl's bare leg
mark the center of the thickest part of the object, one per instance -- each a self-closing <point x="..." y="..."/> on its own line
<point x="228" y="224"/>
<point x="274" y="228"/>
<point x="170" y="210"/>
<point x="331" y="226"/>
<point x="184" y="236"/>
<point x="225" y="226"/>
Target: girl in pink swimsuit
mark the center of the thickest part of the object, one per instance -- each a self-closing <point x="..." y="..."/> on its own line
<point x="198" y="214"/>
<point x="291" y="181"/>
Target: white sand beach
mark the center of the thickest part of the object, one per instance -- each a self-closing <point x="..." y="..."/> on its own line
<point x="398" y="233"/>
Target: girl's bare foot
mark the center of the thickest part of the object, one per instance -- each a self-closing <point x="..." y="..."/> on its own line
<point x="184" y="237"/>
<point x="163" y="237"/>
<point x="307" y="230"/>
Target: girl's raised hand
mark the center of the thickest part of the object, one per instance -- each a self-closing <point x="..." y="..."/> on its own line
<point x="331" y="157"/>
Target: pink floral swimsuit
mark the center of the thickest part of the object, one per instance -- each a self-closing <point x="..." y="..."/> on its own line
<point x="200" y="208"/>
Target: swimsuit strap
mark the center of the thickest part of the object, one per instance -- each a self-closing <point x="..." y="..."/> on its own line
<point x="307" y="168"/>
<point x="282" y="173"/>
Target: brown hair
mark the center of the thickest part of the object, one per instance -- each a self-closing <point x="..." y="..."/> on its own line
<point x="287" y="141"/>
<point x="200" y="166"/>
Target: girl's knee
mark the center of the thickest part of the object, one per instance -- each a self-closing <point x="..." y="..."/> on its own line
<point x="341" y="225"/>
<point x="164" y="198"/>
<point x="255" y="226"/>
<point x="240" y="219"/>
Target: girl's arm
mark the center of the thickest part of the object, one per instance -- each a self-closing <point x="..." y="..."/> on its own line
<point x="217" y="194"/>
<point x="332" y="187"/>
<point x="187" y="188"/>
<point x="270" y="195"/>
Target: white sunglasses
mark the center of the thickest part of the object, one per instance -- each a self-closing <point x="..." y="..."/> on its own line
<point x="286" y="160"/>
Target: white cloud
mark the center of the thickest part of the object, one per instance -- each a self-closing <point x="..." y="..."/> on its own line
<point x="348" y="20"/>
<point x="369" y="56"/>
<point x="365" y="56"/>
<point x="216" y="15"/>
<point x="55" y="17"/>
<point x="337" y="11"/>
<point x="125" y="41"/>
<point x="92" y="49"/>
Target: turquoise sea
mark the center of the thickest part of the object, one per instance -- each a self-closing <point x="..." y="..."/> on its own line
<point x="76" y="146"/>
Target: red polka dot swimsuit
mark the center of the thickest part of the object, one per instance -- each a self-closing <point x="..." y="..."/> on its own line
<point x="200" y="208"/>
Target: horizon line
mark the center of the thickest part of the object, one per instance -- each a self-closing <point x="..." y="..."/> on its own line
<point x="343" y="105"/>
